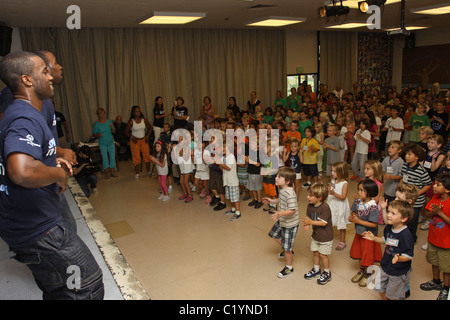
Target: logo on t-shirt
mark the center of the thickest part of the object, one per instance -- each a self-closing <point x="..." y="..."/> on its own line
<point x="29" y="139"/>
<point x="51" y="147"/>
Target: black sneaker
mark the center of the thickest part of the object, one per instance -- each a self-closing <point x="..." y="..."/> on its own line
<point x="285" y="272"/>
<point x="220" y="206"/>
<point x="214" y="201"/>
<point x="252" y="203"/>
<point x="258" y="205"/>
<point x="306" y="185"/>
<point x="431" y="285"/>
<point x="443" y="295"/>
<point x="324" y="277"/>
<point x="230" y="212"/>
<point x="312" y="274"/>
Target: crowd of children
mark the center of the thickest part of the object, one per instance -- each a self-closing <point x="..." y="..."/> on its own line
<point x="401" y="168"/>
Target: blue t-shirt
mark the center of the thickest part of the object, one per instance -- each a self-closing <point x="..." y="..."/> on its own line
<point x="48" y="110"/>
<point x="26" y="214"/>
<point x="107" y="137"/>
<point x="397" y="242"/>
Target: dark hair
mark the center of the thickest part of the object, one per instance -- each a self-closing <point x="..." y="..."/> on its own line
<point x="364" y="122"/>
<point x="13" y="66"/>
<point x="43" y="55"/>
<point x="132" y="112"/>
<point x="312" y="130"/>
<point x="181" y="98"/>
<point x="296" y="122"/>
<point x="85" y="150"/>
<point x="444" y="178"/>
<point x="415" y="149"/>
<point x="371" y="116"/>
<point x="164" y="151"/>
<point x="370" y="187"/>
<point x="157" y="105"/>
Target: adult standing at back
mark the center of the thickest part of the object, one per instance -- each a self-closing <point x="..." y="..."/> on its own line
<point x="139" y="130"/>
<point x="294" y="101"/>
<point x="34" y="229"/>
<point x="232" y="105"/>
<point x="103" y="130"/>
<point x="208" y="111"/>
<point x="253" y="102"/>
<point x="180" y="114"/>
<point x="159" y="117"/>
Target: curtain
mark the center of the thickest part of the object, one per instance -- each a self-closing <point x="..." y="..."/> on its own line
<point x="118" y="68"/>
<point x="338" y="59"/>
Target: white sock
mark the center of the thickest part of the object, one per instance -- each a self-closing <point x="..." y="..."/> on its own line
<point x="238" y="213"/>
<point x="290" y="267"/>
<point x="316" y="268"/>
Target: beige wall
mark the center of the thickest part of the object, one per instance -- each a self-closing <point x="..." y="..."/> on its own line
<point x="301" y="51"/>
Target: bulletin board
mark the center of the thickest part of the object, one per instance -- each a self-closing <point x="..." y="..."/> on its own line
<point x="375" y="59"/>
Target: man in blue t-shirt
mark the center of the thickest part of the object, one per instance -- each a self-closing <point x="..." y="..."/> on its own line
<point x="31" y="177"/>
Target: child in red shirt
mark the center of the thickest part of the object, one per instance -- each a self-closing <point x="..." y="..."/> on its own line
<point x="439" y="236"/>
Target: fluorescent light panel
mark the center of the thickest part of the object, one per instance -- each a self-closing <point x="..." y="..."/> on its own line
<point x="275" y="22"/>
<point x="173" y="17"/>
<point x="348" y="25"/>
<point x="433" y="10"/>
<point x="409" y="28"/>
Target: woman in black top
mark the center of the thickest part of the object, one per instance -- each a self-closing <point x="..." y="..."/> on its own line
<point x="180" y="114"/>
<point x="232" y="105"/>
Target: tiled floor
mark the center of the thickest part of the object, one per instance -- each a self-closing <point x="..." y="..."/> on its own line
<point x="16" y="281"/>
<point x="188" y="251"/>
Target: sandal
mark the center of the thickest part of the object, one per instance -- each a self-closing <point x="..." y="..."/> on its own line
<point x="341" y="246"/>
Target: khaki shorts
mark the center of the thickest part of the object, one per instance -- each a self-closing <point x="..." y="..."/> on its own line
<point x="324" y="248"/>
<point x="439" y="257"/>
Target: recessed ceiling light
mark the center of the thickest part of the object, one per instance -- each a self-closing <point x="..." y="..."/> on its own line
<point x="173" y="17"/>
<point x="433" y="10"/>
<point x="275" y="22"/>
<point x="348" y="25"/>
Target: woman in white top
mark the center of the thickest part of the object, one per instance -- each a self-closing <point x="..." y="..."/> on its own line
<point x="139" y="130"/>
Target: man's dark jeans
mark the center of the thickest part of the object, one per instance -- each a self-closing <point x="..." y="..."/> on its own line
<point x="49" y="260"/>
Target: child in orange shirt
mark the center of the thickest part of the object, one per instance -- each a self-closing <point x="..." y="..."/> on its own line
<point x="293" y="134"/>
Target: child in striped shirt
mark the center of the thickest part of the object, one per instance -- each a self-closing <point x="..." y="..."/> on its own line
<point x="414" y="173"/>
